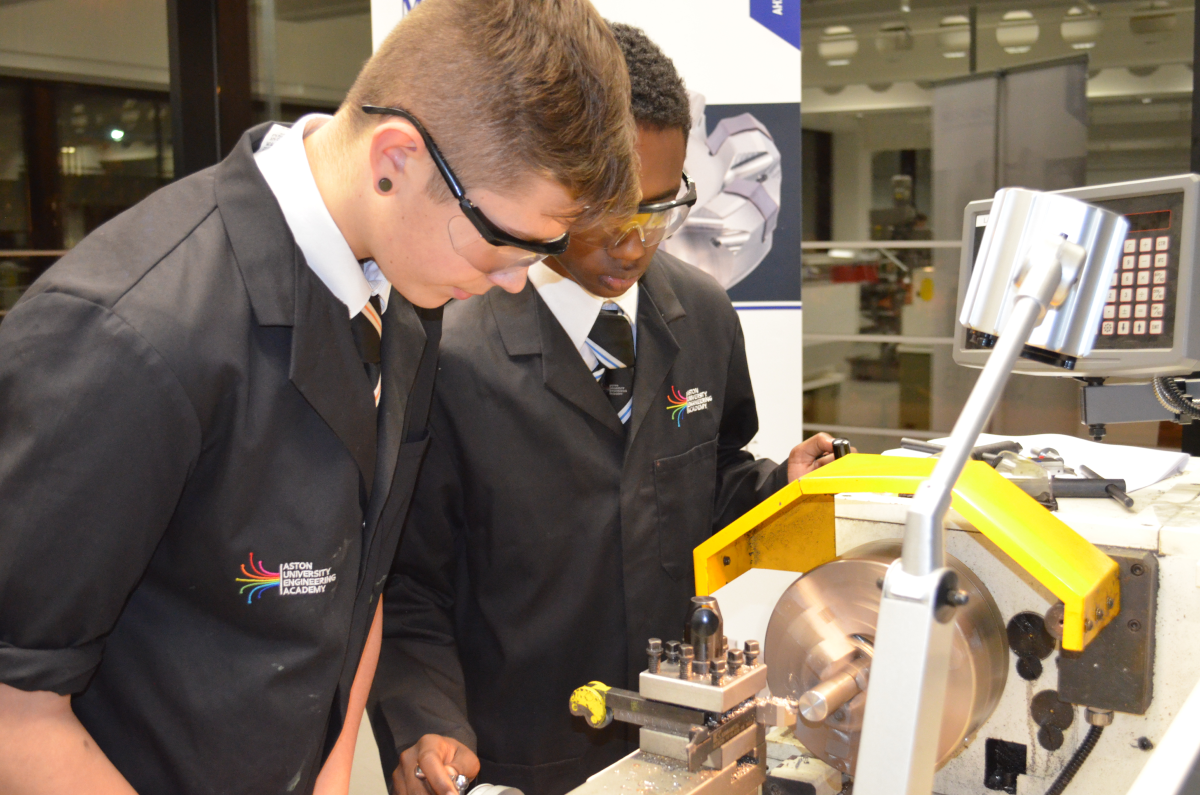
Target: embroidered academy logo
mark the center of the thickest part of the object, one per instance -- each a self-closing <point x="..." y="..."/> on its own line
<point x="680" y="404"/>
<point x="297" y="578"/>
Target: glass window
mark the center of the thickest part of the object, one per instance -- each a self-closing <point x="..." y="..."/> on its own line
<point x="14" y="197"/>
<point x="879" y="321"/>
<point x="114" y="151"/>
<point x="294" y="70"/>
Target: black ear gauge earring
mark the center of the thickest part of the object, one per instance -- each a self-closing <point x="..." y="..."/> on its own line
<point x="385" y="185"/>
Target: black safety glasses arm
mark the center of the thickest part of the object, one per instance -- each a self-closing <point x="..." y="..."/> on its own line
<point x="687" y="200"/>
<point x="487" y="230"/>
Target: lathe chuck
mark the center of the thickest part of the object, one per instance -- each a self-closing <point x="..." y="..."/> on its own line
<point x="819" y="650"/>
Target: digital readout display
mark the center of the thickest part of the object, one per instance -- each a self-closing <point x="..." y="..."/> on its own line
<point x="1149" y="222"/>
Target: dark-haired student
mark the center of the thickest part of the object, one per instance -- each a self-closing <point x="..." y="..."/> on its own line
<point x="586" y="435"/>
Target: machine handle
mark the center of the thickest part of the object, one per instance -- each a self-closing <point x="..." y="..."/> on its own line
<point x="589" y="702"/>
<point x="841" y="447"/>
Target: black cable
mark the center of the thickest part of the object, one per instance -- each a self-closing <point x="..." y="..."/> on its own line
<point x="1077" y="759"/>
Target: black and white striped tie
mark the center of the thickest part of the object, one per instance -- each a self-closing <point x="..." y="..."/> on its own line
<point x="611" y="340"/>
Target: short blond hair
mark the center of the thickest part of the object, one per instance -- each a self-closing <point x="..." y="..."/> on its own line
<point x="510" y="88"/>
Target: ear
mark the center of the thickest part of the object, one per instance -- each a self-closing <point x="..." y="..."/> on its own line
<point x="395" y="147"/>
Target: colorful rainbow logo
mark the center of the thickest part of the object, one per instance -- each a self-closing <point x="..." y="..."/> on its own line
<point x="676" y="403"/>
<point x="257" y="579"/>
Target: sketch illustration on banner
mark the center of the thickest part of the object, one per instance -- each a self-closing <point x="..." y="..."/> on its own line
<point x="738" y="174"/>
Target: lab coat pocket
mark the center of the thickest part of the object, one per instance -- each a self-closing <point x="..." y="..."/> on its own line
<point x="684" y="487"/>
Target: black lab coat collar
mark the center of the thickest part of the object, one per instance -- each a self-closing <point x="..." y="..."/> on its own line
<point x="528" y="327"/>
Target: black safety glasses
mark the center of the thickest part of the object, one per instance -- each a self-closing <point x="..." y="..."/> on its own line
<point x="462" y="239"/>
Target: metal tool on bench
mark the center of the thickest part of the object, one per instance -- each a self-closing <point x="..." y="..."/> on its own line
<point x="983" y="452"/>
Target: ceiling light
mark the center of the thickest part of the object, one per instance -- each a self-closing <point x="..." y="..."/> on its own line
<point x="954" y="36"/>
<point x="1081" y="27"/>
<point x="894" y="37"/>
<point x="838" y="45"/>
<point x="1017" y="32"/>
<point x="117" y="134"/>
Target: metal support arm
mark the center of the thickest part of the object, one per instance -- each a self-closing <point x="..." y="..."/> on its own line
<point x="901" y="727"/>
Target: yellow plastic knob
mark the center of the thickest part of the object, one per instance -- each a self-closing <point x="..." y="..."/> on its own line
<point x="589" y="702"/>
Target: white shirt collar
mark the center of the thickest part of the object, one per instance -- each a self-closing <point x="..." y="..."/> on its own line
<point x="284" y="165"/>
<point x="576" y="309"/>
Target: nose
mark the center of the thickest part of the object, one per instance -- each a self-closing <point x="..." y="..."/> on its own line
<point x="512" y="281"/>
<point x="630" y="248"/>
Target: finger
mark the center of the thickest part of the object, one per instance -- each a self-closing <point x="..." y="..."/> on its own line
<point x="403" y="782"/>
<point x="465" y="761"/>
<point x="406" y="774"/>
<point x="437" y="779"/>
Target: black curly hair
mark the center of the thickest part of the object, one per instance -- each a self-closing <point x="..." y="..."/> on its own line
<point x="659" y="97"/>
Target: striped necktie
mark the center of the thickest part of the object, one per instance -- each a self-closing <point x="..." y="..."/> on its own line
<point x="611" y="340"/>
<point x="368" y="331"/>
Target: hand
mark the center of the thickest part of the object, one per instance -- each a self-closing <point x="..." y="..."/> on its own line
<point x="815" y="451"/>
<point x="440" y="759"/>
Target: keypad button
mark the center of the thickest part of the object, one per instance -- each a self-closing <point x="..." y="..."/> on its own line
<point x="1141" y="294"/>
<point x="1107" y="327"/>
<point x="1160" y="260"/>
<point x="1130" y="246"/>
<point x="1112" y="296"/>
<point x="1124" y="311"/>
<point x="1143" y="277"/>
<point x="1139" y="327"/>
<point x="1143" y="260"/>
<point x="1127" y="278"/>
<point x="1156" y="327"/>
<point x="1128" y="261"/>
<point x="1160" y="277"/>
<point x="1126" y="293"/>
<point x="1156" y="293"/>
<point x="1122" y="326"/>
<point x="1139" y="310"/>
<point x="1146" y="244"/>
<point x="1110" y="312"/>
<point x="1156" y="310"/>
<point x="1162" y="243"/>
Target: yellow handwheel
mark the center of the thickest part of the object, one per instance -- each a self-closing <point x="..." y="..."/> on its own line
<point x="588" y="702"/>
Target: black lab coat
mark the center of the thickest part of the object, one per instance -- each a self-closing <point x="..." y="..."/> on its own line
<point x="178" y="394"/>
<point x="545" y="545"/>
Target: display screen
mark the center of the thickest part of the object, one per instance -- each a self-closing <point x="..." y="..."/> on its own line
<point x="1149" y="222"/>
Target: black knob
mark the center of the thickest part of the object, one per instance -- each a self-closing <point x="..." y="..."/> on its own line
<point x="703" y="627"/>
<point x="841" y="447"/>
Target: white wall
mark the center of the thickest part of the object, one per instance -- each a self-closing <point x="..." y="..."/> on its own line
<point x="121" y="41"/>
<point x="124" y="42"/>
